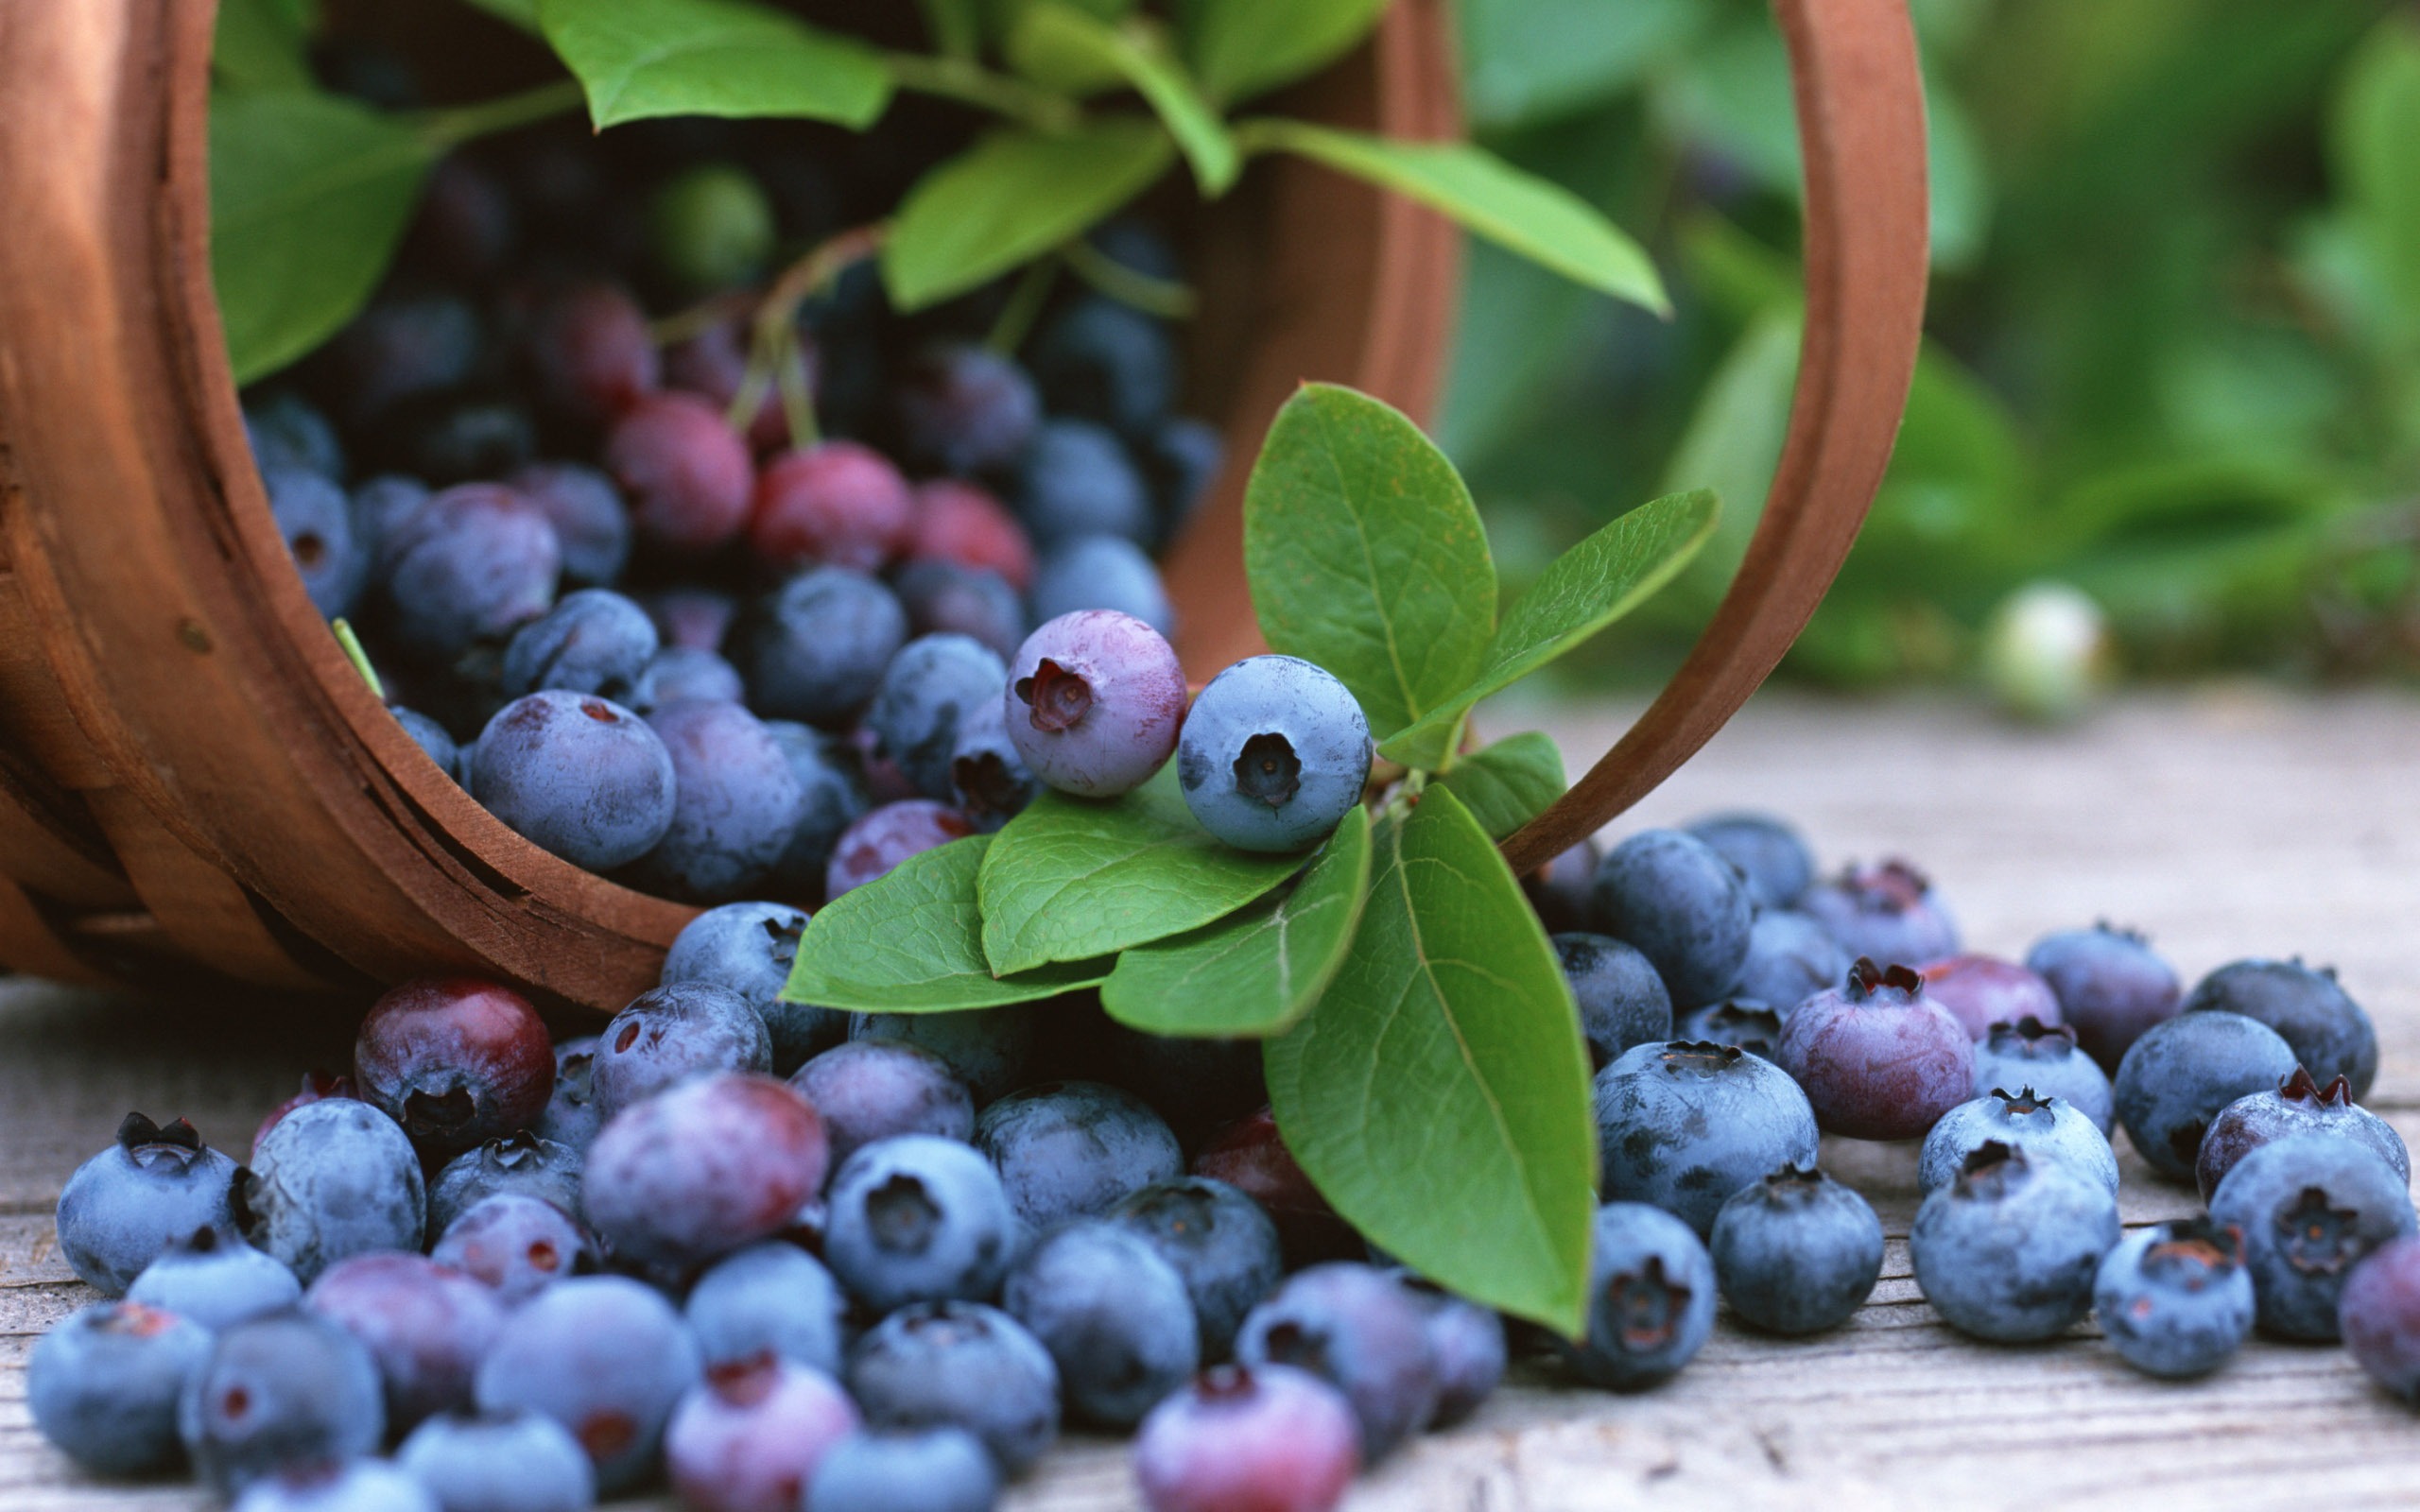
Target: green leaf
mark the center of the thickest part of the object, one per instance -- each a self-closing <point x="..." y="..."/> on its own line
<point x="1584" y="589"/>
<point x="520" y="13"/>
<point x="1239" y="48"/>
<point x="1365" y="553"/>
<point x="912" y="942"/>
<point x="2371" y="141"/>
<point x="638" y="58"/>
<point x="308" y="195"/>
<point x="259" y="44"/>
<point x="955" y="27"/>
<point x="1508" y="783"/>
<point x="1529" y="60"/>
<point x="1073" y="878"/>
<point x="1539" y="219"/>
<point x="1261" y="967"/>
<point x="1056" y="39"/>
<point x="1438" y="1095"/>
<point x="1013" y="197"/>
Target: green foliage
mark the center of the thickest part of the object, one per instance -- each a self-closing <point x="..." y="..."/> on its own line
<point x="1136" y="52"/>
<point x="640" y="59"/>
<point x="259" y="43"/>
<point x="1240" y="48"/>
<point x="1508" y="783"/>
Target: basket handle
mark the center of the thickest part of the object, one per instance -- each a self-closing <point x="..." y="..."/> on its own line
<point x="1861" y="135"/>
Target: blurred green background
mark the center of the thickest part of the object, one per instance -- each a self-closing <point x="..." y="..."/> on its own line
<point x="2174" y="352"/>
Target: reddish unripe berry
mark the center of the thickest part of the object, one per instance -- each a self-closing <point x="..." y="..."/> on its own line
<point x="750" y="1437"/>
<point x="1270" y="1438"/>
<point x="705" y="1167"/>
<point x="837" y="502"/>
<point x="2380" y="1311"/>
<point x="685" y="470"/>
<point x="456" y="1061"/>
<point x="1249" y="1156"/>
<point x="880" y="839"/>
<point x="1878" y="1059"/>
<point x="1095" y="702"/>
<point x="591" y="354"/>
<point x="427" y="1326"/>
<point x="714" y="364"/>
<point x="958" y="521"/>
<point x="1983" y="990"/>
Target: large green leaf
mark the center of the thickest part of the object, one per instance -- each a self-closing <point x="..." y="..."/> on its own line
<point x="259" y="44"/>
<point x="1508" y="783"/>
<point x="1539" y="219"/>
<point x="912" y="942"/>
<point x="1528" y="60"/>
<point x="1366" y="556"/>
<point x="1073" y="878"/>
<point x="520" y="13"/>
<point x="1053" y="36"/>
<point x="1239" y="48"/>
<point x="1587" y="589"/>
<point x="1013" y="197"/>
<point x="2374" y="136"/>
<point x="638" y="58"/>
<point x="1438" y="1095"/>
<point x="308" y="195"/>
<point x="1259" y="969"/>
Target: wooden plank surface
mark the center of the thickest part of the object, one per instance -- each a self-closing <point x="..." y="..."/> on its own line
<point x="2227" y="822"/>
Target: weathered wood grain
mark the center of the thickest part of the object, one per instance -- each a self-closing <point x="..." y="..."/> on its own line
<point x="2226" y="822"/>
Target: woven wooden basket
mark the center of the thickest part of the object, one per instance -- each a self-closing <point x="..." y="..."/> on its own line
<point x="195" y="785"/>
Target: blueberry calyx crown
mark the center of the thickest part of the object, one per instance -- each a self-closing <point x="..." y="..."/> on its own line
<point x="1992" y="1170"/>
<point x="1648" y="1305"/>
<point x="325" y="1084"/>
<point x="1868" y="980"/>
<point x="2302" y="1087"/>
<point x="2192" y="1252"/>
<point x="747" y="1381"/>
<point x="2034" y="1037"/>
<point x="1225" y="1382"/>
<point x="1703" y="1058"/>
<point x="2316" y="1237"/>
<point x="136" y="1133"/>
<point x="1745" y="1023"/>
<point x="2018" y="1103"/>
<point x="202" y="1241"/>
<point x="781" y="937"/>
<point x="984" y="781"/>
<point x="1894" y="886"/>
<point x="902" y="1215"/>
<point x="2125" y="931"/>
<point x="1059" y="697"/>
<point x="436" y="1115"/>
<point x="1267" y="769"/>
<point x="1792" y="1185"/>
<point x="512" y="1151"/>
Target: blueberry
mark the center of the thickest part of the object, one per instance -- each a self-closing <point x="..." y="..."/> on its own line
<point x="1271" y="1438"/>
<point x="1274" y="754"/>
<point x="315" y="1085"/>
<point x="677" y="673"/>
<point x="1197" y="1085"/>
<point x="604" y="1356"/>
<point x="932" y="1469"/>
<point x="589" y="522"/>
<point x="1116" y="1318"/>
<point x="694" y="1172"/>
<point x="925" y="697"/>
<point x="827" y="773"/>
<point x="103" y="1384"/>
<point x="469" y="567"/>
<point x="1771" y="855"/>
<point x="836" y="503"/>
<point x="314" y="516"/>
<point x="1361" y="1330"/>
<point x="590" y="355"/>
<point x="879" y="839"/>
<point x="1106" y="362"/>
<point x="1101" y="572"/>
<point x="334" y="1178"/>
<point x="2109" y="985"/>
<point x="692" y="617"/>
<point x="1468" y="1345"/>
<point x="2183" y="1073"/>
<point x="918" y="1218"/>
<point x="2327" y="1030"/>
<point x="986" y="1048"/>
<point x="2047" y="1130"/>
<point x="2310" y="1207"/>
<point x="942" y="597"/>
<point x="1220" y="1243"/>
<point x="594" y="640"/>
<point x="1094" y="702"/>
<point x="964" y="408"/>
<point x="287" y="432"/>
<point x="1796" y="1252"/>
<point x="352" y="1486"/>
<point x="988" y="776"/>
<point x="291" y="1388"/>
<point x="2174" y="1300"/>
<point x="522" y="1163"/>
<point x="2299" y="1105"/>
<point x="1076" y="480"/>
<point x="959" y="1365"/>
<point x="2043" y="1056"/>
<point x="426" y="1325"/>
<point x="1182" y="457"/>
<point x="456" y="1061"/>
<point x="383" y="507"/>
<point x="1741" y="1023"/>
<point x="212" y="1278"/>
<point x="2008" y="1250"/>
<point x="965" y="527"/>
<point x="415" y="346"/>
<point x="1073" y="1149"/>
<point x="750" y="1436"/>
<point x="515" y="1244"/>
<point x="499" y="1462"/>
<point x="1622" y="999"/>
<point x="815" y="648"/>
<point x="686" y="473"/>
<point x="1682" y="906"/>
<point x="431" y="737"/>
<point x="461" y="437"/>
<point x="1983" y="990"/>
<point x="710" y="226"/>
<point x="1888" y="911"/>
<point x="1790" y="958"/>
<point x="576" y="775"/>
<point x="735" y="804"/>
<point x="1251" y="1156"/>
<point x="872" y="1090"/>
<point x="1558" y="891"/>
<point x="1650" y="1299"/>
<point x="2379" y="1315"/>
<point x="747" y="949"/>
<point x="1684" y="1126"/>
<point x="125" y="1206"/>
<point x="573" y="1117"/>
<point x="769" y="1298"/>
<point x="1878" y="1059"/>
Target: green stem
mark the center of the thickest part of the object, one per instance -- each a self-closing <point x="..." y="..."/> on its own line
<point x="1164" y="297"/>
<point x="1016" y="317"/>
<point x="453" y="126"/>
<point x="955" y="78"/>
<point x="351" y="645"/>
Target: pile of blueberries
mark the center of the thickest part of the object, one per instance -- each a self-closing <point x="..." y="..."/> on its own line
<point x="681" y="645"/>
<point x="536" y="1273"/>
